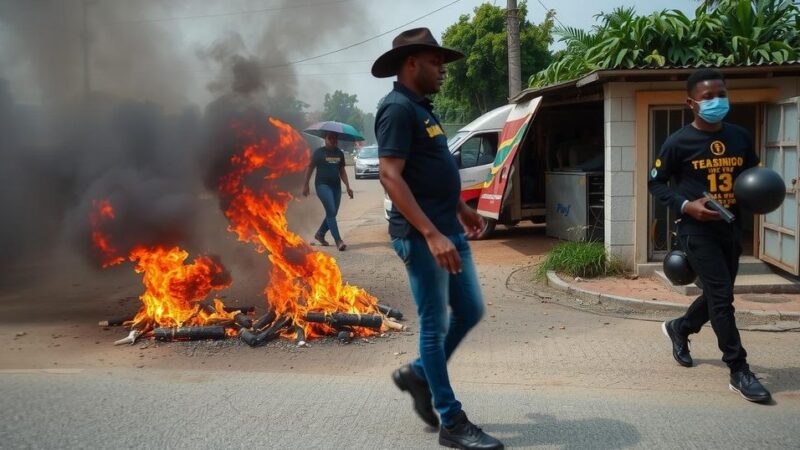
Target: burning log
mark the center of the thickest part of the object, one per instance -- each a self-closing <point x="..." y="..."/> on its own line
<point x="338" y="320"/>
<point x="115" y="322"/>
<point x="242" y="321"/>
<point x="243" y="309"/>
<point x="189" y="333"/>
<point x="255" y="339"/>
<point x="219" y="321"/>
<point x="388" y="311"/>
<point x="301" y="336"/>
<point x="392" y="325"/>
<point x="264" y="320"/>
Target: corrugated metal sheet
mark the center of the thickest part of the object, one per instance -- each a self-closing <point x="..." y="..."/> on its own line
<point x="655" y="73"/>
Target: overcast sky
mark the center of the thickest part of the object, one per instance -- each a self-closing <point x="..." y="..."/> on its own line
<point x="190" y="26"/>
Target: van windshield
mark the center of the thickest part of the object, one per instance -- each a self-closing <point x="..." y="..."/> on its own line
<point x="455" y="139"/>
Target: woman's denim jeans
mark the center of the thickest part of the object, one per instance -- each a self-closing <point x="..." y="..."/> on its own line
<point x="330" y="197"/>
<point x="441" y="330"/>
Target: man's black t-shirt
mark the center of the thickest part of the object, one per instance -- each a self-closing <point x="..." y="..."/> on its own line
<point x="327" y="162"/>
<point x="700" y="161"/>
<point x="407" y="128"/>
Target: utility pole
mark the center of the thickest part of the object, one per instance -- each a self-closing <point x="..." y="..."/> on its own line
<point x="514" y="66"/>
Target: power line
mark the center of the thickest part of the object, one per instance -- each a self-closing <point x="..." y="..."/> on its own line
<point x="548" y="10"/>
<point x="365" y="40"/>
<point x="326" y="63"/>
<point x="233" y="13"/>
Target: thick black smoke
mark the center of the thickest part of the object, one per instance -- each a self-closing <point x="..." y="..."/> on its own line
<point x="135" y="138"/>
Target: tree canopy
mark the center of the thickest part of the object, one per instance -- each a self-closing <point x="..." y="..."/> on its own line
<point x="724" y="32"/>
<point x="341" y="107"/>
<point x="479" y="82"/>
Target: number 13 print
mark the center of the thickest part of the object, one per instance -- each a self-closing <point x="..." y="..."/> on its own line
<point x="722" y="182"/>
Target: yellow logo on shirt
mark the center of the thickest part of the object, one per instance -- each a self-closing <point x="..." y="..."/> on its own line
<point x="658" y="163"/>
<point x="332" y="159"/>
<point x="434" y="130"/>
<point x="718" y="148"/>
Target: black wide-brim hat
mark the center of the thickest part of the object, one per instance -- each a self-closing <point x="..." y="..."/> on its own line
<point x="407" y="43"/>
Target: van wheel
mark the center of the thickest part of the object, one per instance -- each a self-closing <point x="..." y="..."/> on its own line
<point x="488" y="229"/>
<point x="488" y="224"/>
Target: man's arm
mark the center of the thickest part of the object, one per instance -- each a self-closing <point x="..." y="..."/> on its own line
<point x="391" y="173"/>
<point x="666" y="165"/>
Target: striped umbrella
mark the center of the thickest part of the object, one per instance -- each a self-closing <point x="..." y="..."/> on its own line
<point x="346" y="132"/>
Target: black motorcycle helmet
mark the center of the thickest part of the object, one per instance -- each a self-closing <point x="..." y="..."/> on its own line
<point x="760" y="190"/>
<point x="677" y="268"/>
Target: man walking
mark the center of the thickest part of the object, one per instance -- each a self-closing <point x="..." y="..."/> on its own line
<point x="707" y="156"/>
<point x="426" y="225"/>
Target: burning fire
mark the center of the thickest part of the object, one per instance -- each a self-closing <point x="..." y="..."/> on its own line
<point x="300" y="280"/>
<point x="103" y="212"/>
<point x="173" y="289"/>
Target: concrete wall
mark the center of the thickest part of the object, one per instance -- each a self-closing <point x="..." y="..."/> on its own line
<point x="620" y="156"/>
<point x="626" y="157"/>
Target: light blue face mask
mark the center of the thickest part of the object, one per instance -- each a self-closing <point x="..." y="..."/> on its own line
<point x="713" y="110"/>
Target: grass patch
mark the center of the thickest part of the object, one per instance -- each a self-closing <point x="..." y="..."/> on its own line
<point x="580" y="259"/>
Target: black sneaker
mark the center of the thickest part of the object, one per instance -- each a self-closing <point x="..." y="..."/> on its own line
<point x="407" y="380"/>
<point x="680" y="344"/>
<point x="747" y="385"/>
<point x="465" y="434"/>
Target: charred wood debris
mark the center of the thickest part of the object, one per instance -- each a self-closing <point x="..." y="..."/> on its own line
<point x="257" y="331"/>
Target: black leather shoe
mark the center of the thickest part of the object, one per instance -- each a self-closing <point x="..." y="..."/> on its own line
<point x="747" y="385"/>
<point x="465" y="434"/>
<point x="680" y="344"/>
<point x="407" y="380"/>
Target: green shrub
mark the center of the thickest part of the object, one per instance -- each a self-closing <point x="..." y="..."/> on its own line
<point x="580" y="259"/>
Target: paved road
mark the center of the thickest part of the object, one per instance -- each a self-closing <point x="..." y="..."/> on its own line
<point x="535" y="373"/>
<point x="191" y="409"/>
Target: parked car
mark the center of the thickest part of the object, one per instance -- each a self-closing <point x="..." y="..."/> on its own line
<point x="366" y="162"/>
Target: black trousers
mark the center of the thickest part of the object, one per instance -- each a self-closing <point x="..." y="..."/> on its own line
<point x="715" y="259"/>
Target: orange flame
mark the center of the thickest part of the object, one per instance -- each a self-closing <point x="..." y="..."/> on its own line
<point x="301" y="279"/>
<point x="101" y="213"/>
<point x="173" y="289"/>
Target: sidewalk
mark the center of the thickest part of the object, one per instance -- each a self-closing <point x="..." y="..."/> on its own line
<point x="783" y="309"/>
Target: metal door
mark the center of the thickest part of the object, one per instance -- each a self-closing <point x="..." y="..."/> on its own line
<point x="778" y="229"/>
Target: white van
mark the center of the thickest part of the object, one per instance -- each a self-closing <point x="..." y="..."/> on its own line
<point x="474" y="147"/>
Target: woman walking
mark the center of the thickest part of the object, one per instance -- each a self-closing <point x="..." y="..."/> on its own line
<point x="329" y="164"/>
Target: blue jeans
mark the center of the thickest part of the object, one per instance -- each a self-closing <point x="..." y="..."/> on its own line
<point x="441" y="331"/>
<point x="330" y="197"/>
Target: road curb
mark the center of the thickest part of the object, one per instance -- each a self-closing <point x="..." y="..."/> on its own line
<point x="556" y="282"/>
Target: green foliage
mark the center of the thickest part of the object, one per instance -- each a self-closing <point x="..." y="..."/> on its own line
<point x="479" y="82"/>
<point x="725" y="32"/>
<point x="341" y="107"/>
<point x="579" y="259"/>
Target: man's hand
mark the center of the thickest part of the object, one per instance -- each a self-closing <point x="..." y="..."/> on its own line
<point x="471" y="220"/>
<point x="349" y="192"/>
<point x="698" y="211"/>
<point x="444" y="252"/>
<point x="306" y="190"/>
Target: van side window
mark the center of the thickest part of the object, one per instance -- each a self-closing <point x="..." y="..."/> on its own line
<point x="479" y="150"/>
